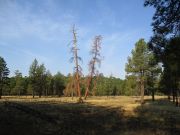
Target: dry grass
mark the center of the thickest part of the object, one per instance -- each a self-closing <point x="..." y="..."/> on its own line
<point x="97" y="115"/>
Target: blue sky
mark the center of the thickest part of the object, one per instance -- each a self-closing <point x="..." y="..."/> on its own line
<point x="42" y="29"/>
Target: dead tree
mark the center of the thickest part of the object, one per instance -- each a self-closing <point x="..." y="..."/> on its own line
<point x="96" y="59"/>
<point x="76" y="59"/>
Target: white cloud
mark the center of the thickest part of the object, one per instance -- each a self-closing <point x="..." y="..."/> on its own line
<point x="19" y="22"/>
<point x="47" y="23"/>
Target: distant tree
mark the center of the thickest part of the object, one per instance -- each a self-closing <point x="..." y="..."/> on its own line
<point x="29" y="89"/>
<point x="100" y="85"/>
<point x="25" y="83"/>
<point x="138" y="64"/>
<point x="107" y="86"/>
<point x="32" y="75"/>
<point x="18" y="89"/>
<point x="96" y="59"/>
<point x="12" y="83"/>
<point x="131" y="86"/>
<point x="40" y="79"/>
<point x="114" y="92"/>
<point x="4" y="72"/>
<point x="76" y="59"/>
<point x="59" y="84"/>
<point x="70" y="86"/>
<point x="6" y="87"/>
<point x="49" y="83"/>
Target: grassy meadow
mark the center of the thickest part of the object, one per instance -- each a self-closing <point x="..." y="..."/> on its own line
<point x="119" y="115"/>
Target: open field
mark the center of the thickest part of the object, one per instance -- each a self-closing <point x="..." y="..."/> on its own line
<point x="119" y="115"/>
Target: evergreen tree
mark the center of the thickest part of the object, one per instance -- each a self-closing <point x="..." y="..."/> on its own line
<point x="138" y="64"/>
<point x="165" y="23"/>
<point x="32" y="75"/>
<point x="18" y="89"/>
<point x="40" y="79"/>
<point x="4" y="72"/>
<point x="171" y="64"/>
<point x="59" y="85"/>
<point x="153" y="75"/>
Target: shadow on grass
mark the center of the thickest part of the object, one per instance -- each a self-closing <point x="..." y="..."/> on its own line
<point x="63" y="118"/>
<point x="160" y="116"/>
<point x="39" y="118"/>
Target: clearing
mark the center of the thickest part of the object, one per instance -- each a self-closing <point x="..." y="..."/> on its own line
<point x="119" y="115"/>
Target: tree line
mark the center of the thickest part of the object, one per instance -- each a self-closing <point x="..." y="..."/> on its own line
<point x="41" y="82"/>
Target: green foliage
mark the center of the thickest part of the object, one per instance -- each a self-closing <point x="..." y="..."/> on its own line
<point x="153" y="75"/>
<point x="165" y="23"/>
<point x="143" y="70"/>
<point x="4" y="72"/>
<point x="171" y="63"/>
<point x="41" y="79"/>
<point x="131" y="86"/>
<point x="166" y="17"/>
<point x="49" y="84"/>
<point x="138" y="63"/>
<point x="165" y="43"/>
<point x="29" y="89"/>
<point x="59" y="85"/>
<point x="32" y="75"/>
<point x="37" y="75"/>
<point x="18" y="88"/>
<point x="109" y="86"/>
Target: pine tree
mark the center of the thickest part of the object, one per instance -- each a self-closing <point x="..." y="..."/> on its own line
<point x="153" y="74"/>
<point x="18" y="89"/>
<point x="32" y="75"/>
<point x="138" y="64"/>
<point x="4" y="72"/>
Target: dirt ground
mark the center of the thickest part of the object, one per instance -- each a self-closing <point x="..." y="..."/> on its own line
<point x="119" y="115"/>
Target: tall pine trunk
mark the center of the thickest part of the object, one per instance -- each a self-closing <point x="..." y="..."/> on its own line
<point x="177" y="103"/>
<point x="173" y="94"/>
<point x="33" y="93"/>
<point x="142" y="86"/>
<point x="169" y="95"/>
<point x="142" y="91"/>
<point x="153" y="94"/>
<point x="0" y="92"/>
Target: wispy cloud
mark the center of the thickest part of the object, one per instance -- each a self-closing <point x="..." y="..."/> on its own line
<point x="42" y="29"/>
<point x="17" y="21"/>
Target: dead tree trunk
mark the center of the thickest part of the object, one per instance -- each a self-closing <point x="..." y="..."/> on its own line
<point x="77" y="67"/>
<point x="95" y="52"/>
<point x="153" y="91"/>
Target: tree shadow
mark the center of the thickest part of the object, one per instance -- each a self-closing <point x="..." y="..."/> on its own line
<point x="160" y="115"/>
<point x="57" y="118"/>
